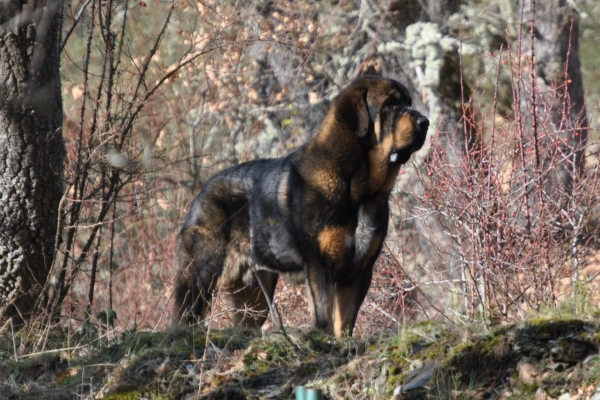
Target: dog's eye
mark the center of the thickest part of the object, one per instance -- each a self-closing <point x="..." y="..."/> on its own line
<point x="396" y="107"/>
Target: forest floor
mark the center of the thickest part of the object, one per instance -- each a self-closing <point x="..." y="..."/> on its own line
<point x="543" y="358"/>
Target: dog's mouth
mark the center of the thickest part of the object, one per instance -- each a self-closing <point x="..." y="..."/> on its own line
<point x="402" y="154"/>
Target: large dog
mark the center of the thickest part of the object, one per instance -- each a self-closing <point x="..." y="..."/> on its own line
<point x="319" y="215"/>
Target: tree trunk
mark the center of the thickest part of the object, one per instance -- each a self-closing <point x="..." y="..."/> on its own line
<point x="31" y="150"/>
<point x="558" y="90"/>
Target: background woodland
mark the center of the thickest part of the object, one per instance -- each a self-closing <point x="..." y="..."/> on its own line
<point x="497" y="216"/>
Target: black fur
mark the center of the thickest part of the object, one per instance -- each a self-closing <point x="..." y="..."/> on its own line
<point x="319" y="215"/>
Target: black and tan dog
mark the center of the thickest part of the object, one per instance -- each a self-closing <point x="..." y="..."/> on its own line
<point x="319" y="215"/>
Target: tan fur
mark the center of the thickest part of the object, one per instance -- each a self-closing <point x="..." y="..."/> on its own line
<point x="378" y="158"/>
<point x="236" y="263"/>
<point x="326" y="155"/>
<point x="282" y="195"/>
<point x="327" y="132"/>
<point x="327" y="181"/>
<point x="404" y="131"/>
<point x="341" y="312"/>
<point x="202" y="230"/>
<point x="383" y="175"/>
<point x="333" y="242"/>
<point x="378" y="96"/>
<point x="344" y="310"/>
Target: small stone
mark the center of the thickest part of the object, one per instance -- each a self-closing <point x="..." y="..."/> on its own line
<point x="590" y="359"/>
<point x="528" y="374"/>
<point x="421" y="378"/>
<point x="558" y="367"/>
<point x="541" y="395"/>
<point x="164" y="367"/>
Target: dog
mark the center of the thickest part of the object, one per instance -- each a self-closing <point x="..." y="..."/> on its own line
<point x="319" y="215"/>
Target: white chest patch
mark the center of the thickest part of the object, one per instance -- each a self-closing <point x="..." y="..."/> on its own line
<point x="364" y="233"/>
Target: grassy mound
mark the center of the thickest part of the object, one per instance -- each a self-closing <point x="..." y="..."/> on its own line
<point x="552" y="357"/>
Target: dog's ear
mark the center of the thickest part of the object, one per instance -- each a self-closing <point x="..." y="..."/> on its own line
<point x="351" y="110"/>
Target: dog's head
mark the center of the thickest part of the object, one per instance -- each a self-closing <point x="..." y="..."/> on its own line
<point x="378" y="111"/>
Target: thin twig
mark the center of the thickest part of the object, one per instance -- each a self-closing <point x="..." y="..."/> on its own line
<point x="74" y="24"/>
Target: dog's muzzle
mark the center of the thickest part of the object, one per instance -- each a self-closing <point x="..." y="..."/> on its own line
<point x="421" y="125"/>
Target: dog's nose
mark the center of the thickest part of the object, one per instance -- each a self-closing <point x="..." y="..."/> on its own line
<point x="422" y="123"/>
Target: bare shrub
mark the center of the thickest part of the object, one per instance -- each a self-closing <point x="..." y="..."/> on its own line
<point x="123" y="160"/>
<point x="515" y="216"/>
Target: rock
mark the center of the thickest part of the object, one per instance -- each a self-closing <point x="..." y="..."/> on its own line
<point x="529" y="374"/>
<point x="558" y="367"/>
<point x="164" y="367"/>
<point x="422" y="377"/>
<point x="571" y="349"/>
<point x="397" y="393"/>
<point x="541" y="395"/>
<point x="590" y="359"/>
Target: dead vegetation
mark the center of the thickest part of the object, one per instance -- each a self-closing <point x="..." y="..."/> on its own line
<point x="549" y="357"/>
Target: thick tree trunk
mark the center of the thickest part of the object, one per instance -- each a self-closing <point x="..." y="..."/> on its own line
<point x="31" y="150"/>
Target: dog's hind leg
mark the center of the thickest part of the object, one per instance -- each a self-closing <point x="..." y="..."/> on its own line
<point x="320" y="289"/>
<point x="251" y="303"/>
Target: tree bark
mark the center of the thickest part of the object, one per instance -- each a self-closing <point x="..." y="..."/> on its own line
<point x="31" y="150"/>
<point x="558" y="90"/>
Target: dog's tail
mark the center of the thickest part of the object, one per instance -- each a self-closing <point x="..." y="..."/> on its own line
<point x="200" y="257"/>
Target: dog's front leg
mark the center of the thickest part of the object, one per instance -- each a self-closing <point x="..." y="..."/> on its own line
<point x="349" y="296"/>
<point x="320" y="289"/>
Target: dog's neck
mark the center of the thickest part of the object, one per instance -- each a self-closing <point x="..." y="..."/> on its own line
<point x="334" y="162"/>
<point x="340" y="144"/>
<point x="348" y="158"/>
